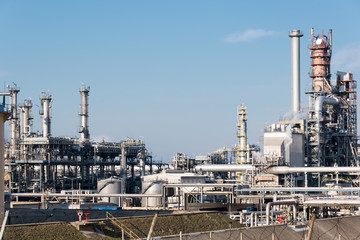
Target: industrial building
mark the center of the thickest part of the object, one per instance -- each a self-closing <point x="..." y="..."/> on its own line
<point x="38" y="162"/>
<point x="310" y="159"/>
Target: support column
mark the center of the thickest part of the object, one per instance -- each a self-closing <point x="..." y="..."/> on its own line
<point x="3" y="118"/>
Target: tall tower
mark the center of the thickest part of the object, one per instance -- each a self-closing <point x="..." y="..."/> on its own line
<point x="295" y="59"/>
<point x="242" y="135"/>
<point x="46" y="100"/>
<point x="320" y="61"/>
<point x="25" y="116"/>
<point x="14" y="121"/>
<point x="331" y="124"/>
<point x="84" y="114"/>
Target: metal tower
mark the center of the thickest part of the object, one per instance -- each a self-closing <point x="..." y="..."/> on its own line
<point x="84" y="114"/>
<point x="241" y="155"/>
<point x="331" y="123"/>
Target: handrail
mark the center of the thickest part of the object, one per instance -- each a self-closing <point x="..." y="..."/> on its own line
<point x="117" y="223"/>
<point x="4" y="224"/>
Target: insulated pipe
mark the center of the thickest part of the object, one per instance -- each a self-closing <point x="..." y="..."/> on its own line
<point x="332" y="201"/>
<point x="319" y="104"/>
<point x="268" y="206"/>
<point x="286" y="170"/>
<point x="295" y="59"/>
<point x="223" y="167"/>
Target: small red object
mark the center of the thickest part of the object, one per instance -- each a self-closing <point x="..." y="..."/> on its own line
<point x="86" y="216"/>
<point x="280" y="219"/>
<point x="80" y="215"/>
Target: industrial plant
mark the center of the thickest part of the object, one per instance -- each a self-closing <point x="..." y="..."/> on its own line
<point x="307" y="167"/>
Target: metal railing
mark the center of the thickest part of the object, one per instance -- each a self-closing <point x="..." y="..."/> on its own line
<point x="122" y="227"/>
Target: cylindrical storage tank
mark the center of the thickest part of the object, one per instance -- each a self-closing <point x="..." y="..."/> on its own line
<point x="152" y="187"/>
<point x="110" y="186"/>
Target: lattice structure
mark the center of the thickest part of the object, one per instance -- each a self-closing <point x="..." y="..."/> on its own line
<point x="332" y="123"/>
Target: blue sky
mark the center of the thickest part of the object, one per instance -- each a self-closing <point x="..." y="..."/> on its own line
<point x="169" y="72"/>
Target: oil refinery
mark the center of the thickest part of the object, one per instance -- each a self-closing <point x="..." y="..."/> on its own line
<point x="308" y="165"/>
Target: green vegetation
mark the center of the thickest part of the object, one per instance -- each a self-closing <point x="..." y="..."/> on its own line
<point x="60" y="231"/>
<point x="171" y="225"/>
<point x="165" y="225"/>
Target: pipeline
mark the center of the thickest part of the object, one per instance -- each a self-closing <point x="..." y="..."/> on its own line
<point x="268" y="206"/>
<point x="286" y="170"/>
<point x="224" y="168"/>
<point x="319" y="104"/>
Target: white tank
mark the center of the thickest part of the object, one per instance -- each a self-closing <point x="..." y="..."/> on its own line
<point x="110" y="186"/>
<point x="152" y="187"/>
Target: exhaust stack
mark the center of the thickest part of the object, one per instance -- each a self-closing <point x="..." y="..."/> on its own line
<point x="295" y="58"/>
<point x="84" y="114"/>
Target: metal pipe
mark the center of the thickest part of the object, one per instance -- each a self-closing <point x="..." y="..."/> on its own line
<point x="295" y="59"/>
<point x="300" y="189"/>
<point x="223" y="168"/>
<point x="152" y="227"/>
<point x="285" y="169"/>
<point x="4" y="224"/>
<point x="319" y="104"/>
<point x="83" y="195"/>
<point x="331" y="202"/>
<point x="268" y="206"/>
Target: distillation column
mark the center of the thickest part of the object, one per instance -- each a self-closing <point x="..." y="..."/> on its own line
<point x="25" y="116"/>
<point x="46" y="100"/>
<point x="295" y="52"/>
<point x="84" y="114"/>
<point x="320" y="61"/>
<point x="241" y="134"/>
<point x="14" y="121"/>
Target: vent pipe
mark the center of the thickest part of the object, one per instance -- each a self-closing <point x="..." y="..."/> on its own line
<point x="295" y="59"/>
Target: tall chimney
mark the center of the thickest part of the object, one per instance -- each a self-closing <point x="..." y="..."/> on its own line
<point x="84" y="114"/>
<point x="295" y="52"/>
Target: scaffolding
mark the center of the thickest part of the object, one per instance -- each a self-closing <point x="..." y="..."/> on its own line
<point x="331" y="124"/>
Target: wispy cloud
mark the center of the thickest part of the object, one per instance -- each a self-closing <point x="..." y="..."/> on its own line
<point x="4" y="74"/>
<point x="348" y="58"/>
<point x="249" y="35"/>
